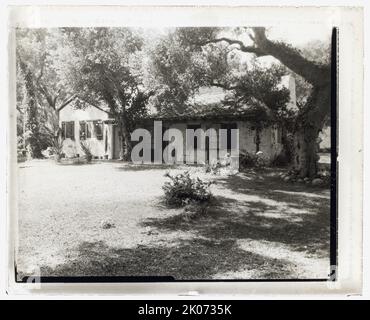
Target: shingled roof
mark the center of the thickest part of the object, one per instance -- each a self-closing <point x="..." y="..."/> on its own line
<point x="225" y="110"/>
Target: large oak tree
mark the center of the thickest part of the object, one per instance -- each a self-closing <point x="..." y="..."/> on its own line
<point x="104" y="67"/>
<point x="312" y="114"/>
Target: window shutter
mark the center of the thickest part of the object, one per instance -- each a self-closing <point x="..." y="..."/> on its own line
<point x="98" y="127"/>
<point x="88" y="129"/>
<point x="82" y="130"/>
<point x="63" y="130"/>
<point x="72" y="124"/>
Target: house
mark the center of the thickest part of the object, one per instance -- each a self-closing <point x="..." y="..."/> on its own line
<point x="94" y="125"/>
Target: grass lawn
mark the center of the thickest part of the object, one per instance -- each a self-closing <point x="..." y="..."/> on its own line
<point x="256" y="227"/>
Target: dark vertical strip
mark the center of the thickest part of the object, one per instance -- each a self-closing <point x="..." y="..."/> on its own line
<point x="334" y="155"/>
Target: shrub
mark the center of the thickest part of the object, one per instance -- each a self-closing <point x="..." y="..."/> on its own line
<point x="21" y="150"/>
<point x="22" y="155"/>
<point x="86" y="150"/>
<point x="281" y="160"/>
<point x="250" y="160"/>
<point x="57" y="148"/>
<point x="183" y="190"/>
<point x="324" y="150"/>
<point x="247" y="160"/>
<point x="213" y="167"/>
<point x="54" y="142"/>
<point x="261" y="161"/>
<point x="20" y="144"/>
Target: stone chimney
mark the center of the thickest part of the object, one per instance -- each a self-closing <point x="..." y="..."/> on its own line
<point x="288" y="81"/>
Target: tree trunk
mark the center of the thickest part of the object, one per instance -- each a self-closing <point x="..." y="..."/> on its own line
<point x="121" y="145"/>
<point x="311" y="119"/>
<point x="305" y="151"/>
<point x="125" y="141"/>
<point x="288" y="149"/>
<point x="309" y="123"/>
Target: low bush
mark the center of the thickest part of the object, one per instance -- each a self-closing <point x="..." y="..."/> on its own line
<point x="280" y="160"/>
<point x="182" y="190"/>
<point x="57" y="148"/>
<point x="213" y="167"/>
<point x="247" y="160"/>
<point x="222" y="166"/>
<point x="22" y="155"/>
<point x="324" y="150"/>
<point x="251" y="160"/>
<point x="86" y="150"/>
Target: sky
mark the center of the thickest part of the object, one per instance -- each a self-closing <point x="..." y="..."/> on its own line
<point x="297" y="35"/>
<point x="301" y="35"/>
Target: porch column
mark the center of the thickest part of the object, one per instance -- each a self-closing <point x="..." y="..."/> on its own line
<point x="110" y="140"/>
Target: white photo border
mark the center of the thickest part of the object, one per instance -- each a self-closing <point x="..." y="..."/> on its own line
<point x="350" y="132"/>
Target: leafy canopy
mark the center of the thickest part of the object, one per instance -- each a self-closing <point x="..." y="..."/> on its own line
<point x="186" y="59"/>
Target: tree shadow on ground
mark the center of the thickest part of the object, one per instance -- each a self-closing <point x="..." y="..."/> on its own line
<point x="188" y="260"/>
<point x="295" y="216"/>
<point x="75" y="164"/>
<point x="151" y="166"/>
<point x="254" y="206"/>
<point x="144" y="167"/>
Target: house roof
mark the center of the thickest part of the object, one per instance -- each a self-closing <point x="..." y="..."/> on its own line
<point x="82" y="104"/>
<point x="212" y="103"/>
<point x="226" y="110"/>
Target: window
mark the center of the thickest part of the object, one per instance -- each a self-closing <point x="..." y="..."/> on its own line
<point x="106" y="141"/>
<point x="228" y="127"/>
<point x="276" y="134"/>
<point x="98" y="129"/>
<point x="85" y="130"/>
<point x="82" y="130"/>
<point x="88" y="129"/>
<point x="279" y="135"/>
<point x="68" y="130"/>
<point x="195" y="127"/>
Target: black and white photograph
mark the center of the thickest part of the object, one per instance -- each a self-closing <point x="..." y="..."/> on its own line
<point x="187" y="153"/>
<point x="184" y="151"/>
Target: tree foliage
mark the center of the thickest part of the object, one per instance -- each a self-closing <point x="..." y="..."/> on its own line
<point x="104" y="67"/>
<point x="180" y="67"/>
<point x="125" y="70"/>
<point x="40" y="90"/>
<point x="216" y="46"/>
<point x="28" y="52"/>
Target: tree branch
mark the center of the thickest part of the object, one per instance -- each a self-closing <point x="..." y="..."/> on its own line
<point x="312" y="72"/>
<point x="67" y="101"/>
<point x="223" y="86"/>
<point x="242" y="47"/>
<point x="42" y="68"/>
<point x="20" y="110"/>
<point x="47" y="96"/>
